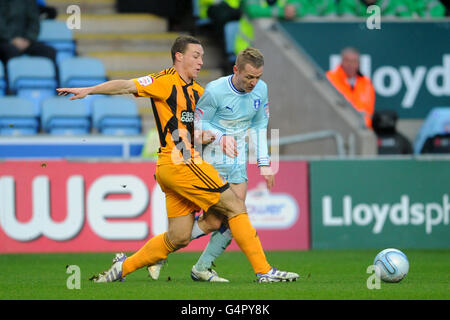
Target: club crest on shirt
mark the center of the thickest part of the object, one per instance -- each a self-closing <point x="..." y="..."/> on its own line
<point x="256" y="103"/>
<point x="145" y="81"/>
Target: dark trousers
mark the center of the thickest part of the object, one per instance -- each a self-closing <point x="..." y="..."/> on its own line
<point x="36" y="48"/>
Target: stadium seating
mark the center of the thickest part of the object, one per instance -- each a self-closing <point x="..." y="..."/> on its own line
<point x="81" y="72"/>
<point x="61" y="116"/>
<point x="32" y="78"/>
<point x="116" y="116"/>
<point x="17" y="116"/>
<point x="56" y="34"/>
<point x="2" y="79"/>
<point x="434" y="135"/>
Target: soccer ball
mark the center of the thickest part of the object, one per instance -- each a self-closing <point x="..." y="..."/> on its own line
<point x="391" y="265"/>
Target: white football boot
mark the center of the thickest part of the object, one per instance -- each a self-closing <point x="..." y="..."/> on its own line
<point x="114" y="273"/>
<point x="155" y="270"/>
<point x="275" y="275"/>
<point x="208" y="275"/>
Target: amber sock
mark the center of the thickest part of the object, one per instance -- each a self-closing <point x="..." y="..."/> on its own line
<point x="247" y="239"/>
<point x="157" y="248"/>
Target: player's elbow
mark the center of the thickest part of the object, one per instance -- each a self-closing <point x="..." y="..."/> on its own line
<point x="113" y="87"/>
<point x="129" y="87"/>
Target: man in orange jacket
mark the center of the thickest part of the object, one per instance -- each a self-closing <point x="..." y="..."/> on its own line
<point x="355" y="87"/>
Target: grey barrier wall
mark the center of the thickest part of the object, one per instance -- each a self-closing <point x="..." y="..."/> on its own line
<point x="303" y="101"/>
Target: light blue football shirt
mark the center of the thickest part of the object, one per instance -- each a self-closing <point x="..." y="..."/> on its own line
<point x="223" y="109"/>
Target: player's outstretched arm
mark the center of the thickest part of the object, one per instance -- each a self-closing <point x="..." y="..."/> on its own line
<point x="109" y="87"/>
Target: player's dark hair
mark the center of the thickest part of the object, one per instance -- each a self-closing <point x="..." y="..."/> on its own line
<point x="181" y="43"/>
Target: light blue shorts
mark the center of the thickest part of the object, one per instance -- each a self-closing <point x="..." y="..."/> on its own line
<point x="233" y="173"/>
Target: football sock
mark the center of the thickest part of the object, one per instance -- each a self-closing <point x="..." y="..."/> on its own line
<point x="157" y="248"/>
<point x="247" y="239"/>
<point x="196" y="231"/>
<point x="217" y="244"/>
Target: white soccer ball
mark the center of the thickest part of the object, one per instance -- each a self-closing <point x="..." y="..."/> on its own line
<point x="391" y="265"/>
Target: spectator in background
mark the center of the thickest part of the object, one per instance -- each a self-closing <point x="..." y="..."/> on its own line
<point x="392" y="8"/>
<point x="289" y="9"/>
<point x="429" y="9"/>
<point x="322" y="8"/>
<point x="281" y="9"/>
<point x="446" y="4"/>
<point x="389" y="140"/>
<point x="45" y="11"/>
<point x="19" y="30"/>
<point x="354" y="86"/>
<point x="222" y="11"/>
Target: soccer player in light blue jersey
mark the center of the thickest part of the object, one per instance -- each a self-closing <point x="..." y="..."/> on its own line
<point x="232" y="108"/>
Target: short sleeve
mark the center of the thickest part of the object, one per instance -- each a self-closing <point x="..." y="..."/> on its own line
<point x="151" y="86"/>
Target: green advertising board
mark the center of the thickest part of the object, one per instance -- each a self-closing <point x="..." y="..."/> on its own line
<point x="380" y="204"/>
<point x="408" y="62"/>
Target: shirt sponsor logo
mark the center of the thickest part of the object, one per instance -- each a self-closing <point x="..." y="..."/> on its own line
<point x="187" y="117"/>
<point x="145" y="81"/>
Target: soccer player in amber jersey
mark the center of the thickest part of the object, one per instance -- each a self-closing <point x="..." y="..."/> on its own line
<point x="189" y="183"/>
<point x="232" y="108"/>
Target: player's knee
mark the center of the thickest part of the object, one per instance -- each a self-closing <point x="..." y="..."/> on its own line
<point x="235" y="205"/>
<point x="179" y="240"/>
<point x="230" y="204"/>
<point x="210" y="222"/>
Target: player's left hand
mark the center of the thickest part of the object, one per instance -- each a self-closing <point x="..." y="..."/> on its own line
<point x="268" y="175"/>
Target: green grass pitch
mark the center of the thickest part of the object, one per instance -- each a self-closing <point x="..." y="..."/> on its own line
<point x="324" y="274"/>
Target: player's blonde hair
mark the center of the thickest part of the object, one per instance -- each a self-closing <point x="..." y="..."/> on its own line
<point x="252" y="56"/>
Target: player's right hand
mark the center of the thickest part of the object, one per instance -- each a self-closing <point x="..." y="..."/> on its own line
<point x="229" y="146"/>
<point x="78" y="93"/>
<point x="207" y="136"/>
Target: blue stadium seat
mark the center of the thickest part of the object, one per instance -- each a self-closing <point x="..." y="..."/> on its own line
<point x="81" y="72"/>
<point x="56" y="34"/>
<point x="116" y="116"/>
<point x="61" y="116"/>
<point x="32" y="78"/>
<point x="2" y="79"/>
<point x="434" y="135"/>
<point x="17" y="117"/>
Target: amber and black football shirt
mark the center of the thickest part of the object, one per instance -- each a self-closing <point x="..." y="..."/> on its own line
<point x="173" y="102"/>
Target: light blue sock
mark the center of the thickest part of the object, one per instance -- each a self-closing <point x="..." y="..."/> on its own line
<point x="196" y="231"/>
<point x="217" y="244"/>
